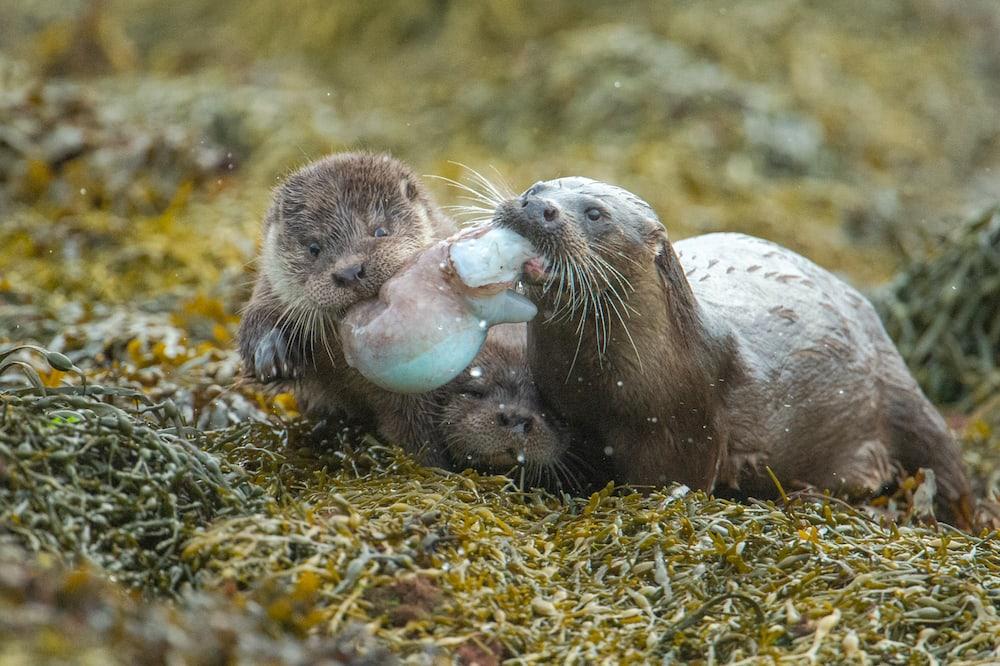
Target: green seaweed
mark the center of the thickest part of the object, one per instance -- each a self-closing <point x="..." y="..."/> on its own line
<point x="943" y="312"/>
<point x="122" y="486"/>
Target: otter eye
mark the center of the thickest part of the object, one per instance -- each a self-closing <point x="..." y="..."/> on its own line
<point x="380" y="232"/>
<point x="314" y="249"/>
<point x="593" y="214"/>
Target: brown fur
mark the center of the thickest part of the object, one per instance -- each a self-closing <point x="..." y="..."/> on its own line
<point x="691" y="373"/>
<point x="492" y="417"/>
<point x="337" y="202"/>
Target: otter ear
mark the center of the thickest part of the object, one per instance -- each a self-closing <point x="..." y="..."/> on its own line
<point x="289" y="201"/>
<point x="668" y="265"/>
<point x="655" y="233"/>
<point x="408" y="189"/>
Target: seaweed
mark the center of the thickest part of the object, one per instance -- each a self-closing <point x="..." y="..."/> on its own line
<point x="620" y="575"/>
<point x="943" y="312"/>
<point x="122" y="486"/>
<point x="58" y="615"/>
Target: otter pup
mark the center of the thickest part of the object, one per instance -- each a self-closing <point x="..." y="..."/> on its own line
<point x="491" y="417"/>
<point x="336" y="231"/>
<point x="744" y="356"/>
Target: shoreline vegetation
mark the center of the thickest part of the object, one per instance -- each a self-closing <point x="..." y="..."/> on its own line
<point x="158" y="511"/>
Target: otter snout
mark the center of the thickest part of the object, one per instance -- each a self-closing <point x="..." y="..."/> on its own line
<point x="541" y="211"/>
<point x="349" y="275"/>
<point x="518" y="421"/>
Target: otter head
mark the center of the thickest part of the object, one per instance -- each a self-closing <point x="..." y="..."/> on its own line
<point x="340" y="227"/>
<point x="594" y="238"/>
<point x="492" y="417"/>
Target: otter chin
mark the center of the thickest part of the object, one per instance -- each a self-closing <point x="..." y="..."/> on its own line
<point x="492" y="418"/>
<point x="716" y="359"/>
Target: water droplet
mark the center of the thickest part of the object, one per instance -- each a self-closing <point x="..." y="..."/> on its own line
<point x="653" y="419"/>
<point x="618" y="84"/>
<point x="620" y="383"/>
<point x="83" y="190"/>
<point x="476" y="372"/>
<point x="482" y="324"/>
<point x="609" y="450"/>
<point x="520" y="458"/>
<point x="841" y="391"/>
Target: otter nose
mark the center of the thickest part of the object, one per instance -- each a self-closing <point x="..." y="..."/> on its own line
<point x="345" y="277"/>
<point x="517" y="421"/>
<point x="540" y="210"/>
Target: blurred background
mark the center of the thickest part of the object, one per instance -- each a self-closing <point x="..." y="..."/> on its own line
<point x="855" y="132"/>
<point x="140" y="139"/>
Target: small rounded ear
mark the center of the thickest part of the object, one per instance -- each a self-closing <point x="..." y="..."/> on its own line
<point x="408" y="188"/>
<point x="654" y="230"/>
<point x="290" y="198"/>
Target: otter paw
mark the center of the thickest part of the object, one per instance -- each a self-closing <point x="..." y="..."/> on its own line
<point x="274" y="361"/>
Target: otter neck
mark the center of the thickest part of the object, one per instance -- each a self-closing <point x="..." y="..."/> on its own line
<point x="667" y="364"/>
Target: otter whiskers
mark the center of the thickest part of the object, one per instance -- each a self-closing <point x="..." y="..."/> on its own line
<point x="482" y="194"/>
<point x="591" y="288"/>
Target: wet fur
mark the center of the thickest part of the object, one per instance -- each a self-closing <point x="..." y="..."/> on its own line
<point x="472" y="409"/>
<point x="737" y="356"/>
<point x="289" y="321"/>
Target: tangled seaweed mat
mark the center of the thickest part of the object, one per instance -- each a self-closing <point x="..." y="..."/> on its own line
<point x="618" y="576"/>
<point x="944" y="314"/>
<point x="49" y="614"/>
<point x="437" y="563"/>
<point x="82" y="476"/>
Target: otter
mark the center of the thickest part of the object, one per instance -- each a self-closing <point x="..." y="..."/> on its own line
<point x="714" y="359"/>
<point x="492" y="418"/>
<point x="336" y="231"/>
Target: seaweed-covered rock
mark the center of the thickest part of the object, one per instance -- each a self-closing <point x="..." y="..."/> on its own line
<point x="60" y="146"/>
<point x="467" y="565"/>
<point x="120" y="485"/>
<point x="622" y="83"/>
<point x="50" y="614"/>
<point x="943" y="311"/>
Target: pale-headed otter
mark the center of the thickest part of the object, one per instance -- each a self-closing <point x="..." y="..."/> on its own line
<point x="707" y="365"/>
<point x="492" y="418"/>
<point x="337" y="229"/>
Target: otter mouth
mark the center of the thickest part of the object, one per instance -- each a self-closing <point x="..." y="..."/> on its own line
<point x="536" y="270"/>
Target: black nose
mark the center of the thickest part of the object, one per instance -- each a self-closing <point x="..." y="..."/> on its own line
<point x="516" y="420"/>
<point x="540" y="210"/>
<point x="348" y="276"/>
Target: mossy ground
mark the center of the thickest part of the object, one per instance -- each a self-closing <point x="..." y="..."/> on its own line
<point x="138" y="143"/>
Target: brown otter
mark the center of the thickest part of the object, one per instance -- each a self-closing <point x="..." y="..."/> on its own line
<point x="707" y="371"/>
<point x="336" y="231"/>
<point x="492" y="418"/>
